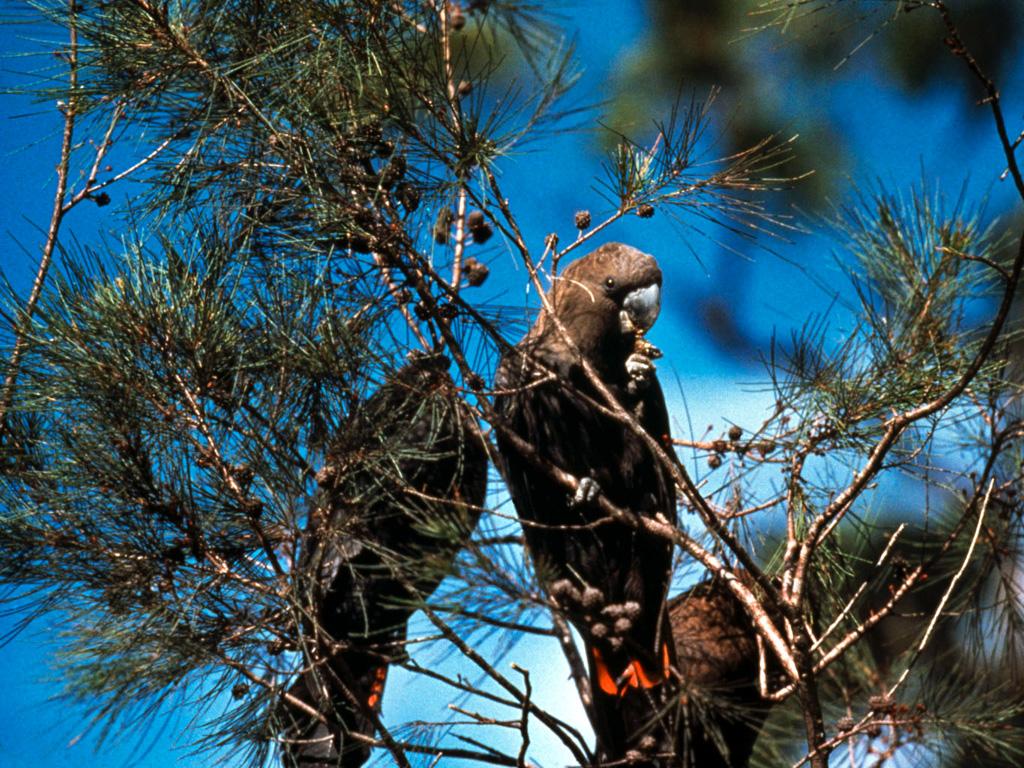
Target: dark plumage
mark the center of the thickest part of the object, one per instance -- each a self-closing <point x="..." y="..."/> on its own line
<point x="403" y="487"/>
<point x="611" y="578"/>
<point x="717" y="659"/>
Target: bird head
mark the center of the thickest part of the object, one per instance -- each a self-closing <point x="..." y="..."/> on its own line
<point x="608" y="296"/>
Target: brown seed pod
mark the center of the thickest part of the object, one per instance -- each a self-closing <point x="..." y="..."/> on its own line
<point x="393" y="172"/>
<point x="276" y="648"/>
<point x="408" y="196"/>
<point x="582" y="219"/>
<point x="371" y="132"/>
<point x="253" y="508"/>
<point x="357" y="242"/>
<point x="880" y="703"/>
<point x="482" y="234"/>
<point x="645" y="211"/>
<point x="475" y="272"/>
<point x="735" y="432"/>
<point x="456" y="17"/>
<point x="593" y="598"/>
<point x="243" y="473"/>
<point x="563" y="592"/>
<point x="326" y="475"/>
<point x="475" y="220"/>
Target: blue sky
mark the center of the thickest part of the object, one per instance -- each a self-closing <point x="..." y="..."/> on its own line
<point x="889" y="137"/>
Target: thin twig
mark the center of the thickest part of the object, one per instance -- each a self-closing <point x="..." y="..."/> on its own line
<point x="860" y="590"/>
<point x="926" y="637"/>
<point x="577" y="668"/>
<point x="524" y="717"/>
<point x="576" y="744"/>
<point x="57" y="215"/>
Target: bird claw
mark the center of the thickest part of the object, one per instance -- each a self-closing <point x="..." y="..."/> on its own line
<point x="640" y="370"/>
<point x="642" y="752"/>
<point x="586" y="492"/>
<point x="639" y="366"/>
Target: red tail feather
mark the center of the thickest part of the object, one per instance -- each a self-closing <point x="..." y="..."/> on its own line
<point x="377" y="687"/>
<point x="634" y="676"/>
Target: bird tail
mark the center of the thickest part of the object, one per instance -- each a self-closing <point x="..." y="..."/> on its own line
<point x="325" y="740"/>
<point x="633" y="705"/>
<point x="636" y="675"/>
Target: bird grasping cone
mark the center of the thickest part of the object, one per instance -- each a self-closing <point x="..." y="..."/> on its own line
<point x="609" y="577"/>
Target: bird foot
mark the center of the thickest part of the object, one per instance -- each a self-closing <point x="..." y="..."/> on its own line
<point x="641" y="754"/>
<point x="648" y="743"/>
<point x="586" y="492"/>
<point x="640" y="370"/>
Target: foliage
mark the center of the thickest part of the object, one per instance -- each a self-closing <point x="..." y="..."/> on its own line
<point x="314" y="179"/>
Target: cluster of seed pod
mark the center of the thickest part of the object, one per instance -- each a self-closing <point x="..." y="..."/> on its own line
<point x="369" y="168"/>
<point x="476" y="222"/>
<point x="610" y="622"/>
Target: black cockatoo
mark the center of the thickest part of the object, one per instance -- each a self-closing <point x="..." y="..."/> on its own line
<point x="403" y="487"/>
<point x="610" y="577"/>
<point x="718" y="662"/>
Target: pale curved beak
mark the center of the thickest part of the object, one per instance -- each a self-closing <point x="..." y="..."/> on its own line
<point x="641" y="307"/>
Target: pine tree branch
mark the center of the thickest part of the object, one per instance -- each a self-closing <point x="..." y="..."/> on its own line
<point x="895" y="426"/>
<point x="937" y="613"/>
<point x="63" y="167"/>
<point x="954" y="42"/>
<point x="568" y="735"/>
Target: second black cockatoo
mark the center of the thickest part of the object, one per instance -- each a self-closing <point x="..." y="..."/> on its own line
<point x="402" y="490"/>
<point x="610" y="577"/>
<point x="718" y="662"/>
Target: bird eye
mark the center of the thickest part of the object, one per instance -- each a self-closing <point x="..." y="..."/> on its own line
<point x="610" y="282"/>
